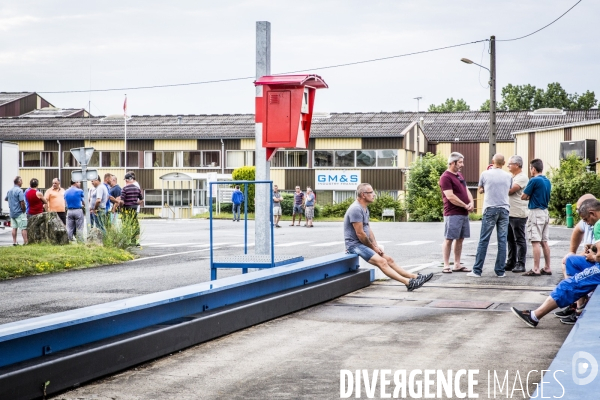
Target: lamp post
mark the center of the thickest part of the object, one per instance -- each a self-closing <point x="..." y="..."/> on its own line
<point x="492" y="84"/>
<point x="418" y="134"/>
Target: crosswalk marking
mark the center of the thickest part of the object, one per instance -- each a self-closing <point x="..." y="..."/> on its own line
<point x="415" y="243"/>
<point x="326" y="244"/>
<point x="291" y="244"/>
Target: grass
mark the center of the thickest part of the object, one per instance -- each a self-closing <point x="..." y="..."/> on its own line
<point x="37" y="259"/>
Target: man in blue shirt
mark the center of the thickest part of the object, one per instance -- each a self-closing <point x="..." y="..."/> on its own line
<point x="237" y="198"/>
<point x="537" y="192"/>
<point x="16" y="205"/>
<point x="75" y="219"/>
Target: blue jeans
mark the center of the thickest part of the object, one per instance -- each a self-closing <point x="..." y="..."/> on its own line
<point x="492" y="217"/>
<point x="236" y="211"/>
<point x="98" y="219"/>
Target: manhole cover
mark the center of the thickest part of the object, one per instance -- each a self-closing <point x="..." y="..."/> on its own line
<point x="476" y="305"/>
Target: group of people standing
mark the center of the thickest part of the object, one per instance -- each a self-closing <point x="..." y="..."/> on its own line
<point x="513" y="204"/>
<point x="106" y="201"/>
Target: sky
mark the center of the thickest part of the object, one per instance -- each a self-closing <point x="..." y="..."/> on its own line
<point x="74" y="45"/>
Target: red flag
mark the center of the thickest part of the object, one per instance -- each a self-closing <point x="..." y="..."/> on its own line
<point x="125" y="107"/>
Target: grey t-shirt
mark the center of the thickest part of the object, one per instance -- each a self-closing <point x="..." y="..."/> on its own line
<point x="496" y="183"/>
<point x="355" y="213"/>
<point x="99" y="193"/>
<point x="276" y="196"/>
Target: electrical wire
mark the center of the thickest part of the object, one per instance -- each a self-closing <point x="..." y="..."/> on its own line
<point x="306" y="69"/>
<point x="480" y="67"/>
<point x="544" y="27"/>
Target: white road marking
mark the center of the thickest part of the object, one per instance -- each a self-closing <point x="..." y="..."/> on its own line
<point x="326" y="244"/>
<point x="415" y="243"/>
<point x="167" y="255"/>
<point x="242" y="245"/>
<point x="173" y="245"/>
<point x="553" y="242"/>
<point x="291" y="244"/>
<point x="423" y="266"/>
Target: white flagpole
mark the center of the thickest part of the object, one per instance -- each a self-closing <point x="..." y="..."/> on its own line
<point x="125" y="118"/>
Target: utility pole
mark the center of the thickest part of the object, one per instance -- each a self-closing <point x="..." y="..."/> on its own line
<point x="492" y="96"/>
<point x="418" y="147"/>
<point x="262" y="213"/>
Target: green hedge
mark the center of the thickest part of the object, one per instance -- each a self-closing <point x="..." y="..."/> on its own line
<point x="424" y="196"/>
<point x="375" y="209"/>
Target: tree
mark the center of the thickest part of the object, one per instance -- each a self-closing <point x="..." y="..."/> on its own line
<point x="519" y="97"/>
<point x="485" y="106"/>
<point x="528" y="97"/>
<point x="556" y="97"/>
<point x="583" y="102"/>
<point x="424" y="196"/>
<point x="450" y="105"/>
<point x="246" y="174"/>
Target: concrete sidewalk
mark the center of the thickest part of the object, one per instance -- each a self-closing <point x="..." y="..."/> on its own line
<point x="452" y="323"/>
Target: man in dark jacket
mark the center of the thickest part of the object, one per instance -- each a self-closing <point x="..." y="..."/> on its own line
<point x="237" y="199"/>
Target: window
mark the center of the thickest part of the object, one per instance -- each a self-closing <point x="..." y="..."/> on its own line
<point x="104" y="159"/>
<point x="152" y="198"/>
<point x="240" y="158"/>
<point x="355" y="158"/>
<point x="110" y="159"/>
<point x="39" y="159"/>
<point x="179" y="159"/>
<point x="290" y="159"/>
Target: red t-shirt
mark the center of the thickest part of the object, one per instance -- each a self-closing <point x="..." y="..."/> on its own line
<point x="458" y="185"/>
<point x="35" y="204"/>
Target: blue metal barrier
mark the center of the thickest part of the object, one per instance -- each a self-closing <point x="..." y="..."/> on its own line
<point x="37" y="337"/>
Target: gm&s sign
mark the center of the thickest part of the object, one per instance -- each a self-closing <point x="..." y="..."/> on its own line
<point x="337" y="179"/>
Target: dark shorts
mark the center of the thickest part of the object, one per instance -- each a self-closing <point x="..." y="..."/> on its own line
<point x="298" y="209"/>
<point x="456" y="227"/>
<point x="366" y="253"/>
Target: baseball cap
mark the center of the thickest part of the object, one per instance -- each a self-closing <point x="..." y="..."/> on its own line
<point x="128" y="176"/>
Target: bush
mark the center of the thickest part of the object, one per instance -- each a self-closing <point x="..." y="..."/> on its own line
<point x="246" y="174"/>
<point x="475" y="217"/>
<point x="120" y="234"/>
<point x="569" y="182"/>
<point x="386" y="201"/>
<point x="424" y="196"/>
<point x="337" y="210"/>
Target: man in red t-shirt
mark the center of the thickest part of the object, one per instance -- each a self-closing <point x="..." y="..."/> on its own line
<point x="458" y="202"/>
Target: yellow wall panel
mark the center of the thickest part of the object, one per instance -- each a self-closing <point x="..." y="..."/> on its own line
<point x="248" y="144"/>
<point x="402" y="158"/>
<point x="484" y="157"/>
<point x="547" y="147"/>
<point x="113" y="145"/>
<point x="507" y="149"/>
<point x="40" y="174"/>
<point x="30" y="145"/>
<point x="160" y="172"/>
<point x="338" y="144"/>
<point x="444" y="149"/>
<point x="190" y="144"/>
<point x="522" y="146"/>
<point x="278" y="178"/>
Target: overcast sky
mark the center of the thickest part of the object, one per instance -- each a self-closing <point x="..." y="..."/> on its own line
<point x="73" y="45"/>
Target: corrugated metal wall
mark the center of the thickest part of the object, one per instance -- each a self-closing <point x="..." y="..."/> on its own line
<point x="28" y="174"/>
<point x="49" y="176"/>
<point x="300" y="177"/>
<point x="113" y="145"/>
<point x="389" y="179"/>
<point x="190" y="144"/>
<point x="338" y="144"/>
<point x="522" y="145"/>
<point x="382" y="143"/>
<point x="444" y="149"/>
<point x="140" y="145"/>
<point x="31" y="145"/>
<point x="471" y="153"/>
<point x="51" y="145"/>
<point x="145" y="177"/>
<point x="278" y="178"/>
<point x="247" y="144"/>
<point x="548" y="148"/>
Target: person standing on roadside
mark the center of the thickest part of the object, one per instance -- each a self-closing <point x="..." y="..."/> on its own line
<point x="517" y="217"/>
<point x="55" y="196"/>
<point x="276" y="206"/>
<point x="458" y="202"/>
<point x="106" y="183"/>
<point x="298" y="201"/>
<point x="495" y="183"/>
<point x="136" y="184"/>
<point x="131" y="198"/>
<point x="75" y="201"/>
<point x="114" y="195"/>
<point x="98" y="204"/>
<point x="237" y="198"/>
<point x="35" y="198"/>
<point x="537" y="192"/>
<point x="309" y="207"/>
<point x="16" y="206"/>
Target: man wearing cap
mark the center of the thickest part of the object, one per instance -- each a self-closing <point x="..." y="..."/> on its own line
<point x="131" y="197"/>
<point x="98" y="201"/>
<point x="74" y="199"/>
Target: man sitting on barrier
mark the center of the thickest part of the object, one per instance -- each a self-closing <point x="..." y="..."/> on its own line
<point x="360" y="240"/>
<point x="584" y="272"/>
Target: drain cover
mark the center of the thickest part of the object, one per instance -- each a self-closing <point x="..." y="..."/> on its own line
<point x="476" y="305"/>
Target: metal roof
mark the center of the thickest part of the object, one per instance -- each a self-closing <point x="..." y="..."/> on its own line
<point x="468" y="126"/>
<point x="9" y="97"/>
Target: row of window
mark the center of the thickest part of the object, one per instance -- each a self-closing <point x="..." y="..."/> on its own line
<point x="212" y="159"/>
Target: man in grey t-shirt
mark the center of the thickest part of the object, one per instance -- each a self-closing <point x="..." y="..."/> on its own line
<point x="495" y="183"/>
<point x="360" y="240"/>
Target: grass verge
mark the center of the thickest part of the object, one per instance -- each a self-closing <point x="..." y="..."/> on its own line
<point x="36" y="259"/>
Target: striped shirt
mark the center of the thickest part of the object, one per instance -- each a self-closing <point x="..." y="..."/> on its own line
<point x="130" y="196"/>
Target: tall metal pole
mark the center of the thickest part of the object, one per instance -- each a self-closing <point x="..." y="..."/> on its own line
<point x="418" y="133"/>
<point x="492" y="96"/>
<point x="125" y="118"/>
<point x="262" y="203"/>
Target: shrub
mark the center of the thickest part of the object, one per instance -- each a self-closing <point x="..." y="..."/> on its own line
<point x="337" y="210"/>
<point x="246" y="174"/>
<point x="569" y="182"/>
<point x="424" y="196"/>
<point x="386" y="201"/>
<point x="121" y="233"/>
<point x="475" y="217"/>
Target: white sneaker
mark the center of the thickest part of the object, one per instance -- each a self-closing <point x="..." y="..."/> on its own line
<point x="501" y="276"/>
<point x="473" y="275"/>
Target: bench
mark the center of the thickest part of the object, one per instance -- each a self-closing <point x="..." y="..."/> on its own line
<point x="388" y="212"/>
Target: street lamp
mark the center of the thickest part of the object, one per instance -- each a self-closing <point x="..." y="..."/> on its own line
<point x="492" y="84"/>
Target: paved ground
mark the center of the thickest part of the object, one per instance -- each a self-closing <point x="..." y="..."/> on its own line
<point x="300" y="355"/>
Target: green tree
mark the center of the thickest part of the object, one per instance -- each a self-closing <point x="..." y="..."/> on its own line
<point x="450" y="105"/>
<point x="556" y="97"/>
<point x="246" y="174"/>
<point x="583" y="102"/>
<point x="424" y="196"/>
<point x="528" y="97"/>
<point x="485" y="106"/>
<point x="517" y="97"/>
<point x="569" y="182"/>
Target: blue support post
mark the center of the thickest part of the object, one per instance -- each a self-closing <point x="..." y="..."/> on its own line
<point x="213" y="270"/>
<point x="245" y="270"/>
<point x="272" y="227"/>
